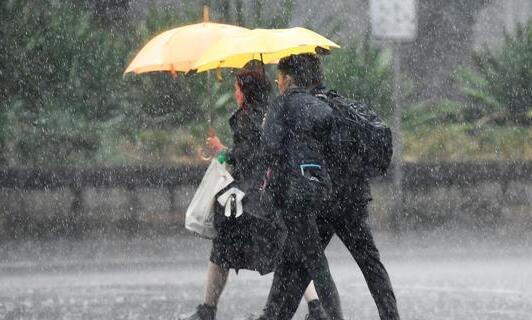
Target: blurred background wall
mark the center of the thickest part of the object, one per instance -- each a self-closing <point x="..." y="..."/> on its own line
<point x="494" y="198"/>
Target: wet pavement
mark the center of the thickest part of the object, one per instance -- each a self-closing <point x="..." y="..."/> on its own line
<point x="440" y="276"/>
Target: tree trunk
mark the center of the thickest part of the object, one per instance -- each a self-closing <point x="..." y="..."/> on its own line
<point x="444" y="41"/>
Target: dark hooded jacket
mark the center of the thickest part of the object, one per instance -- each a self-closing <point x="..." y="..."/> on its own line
<point x="294" y="134"/>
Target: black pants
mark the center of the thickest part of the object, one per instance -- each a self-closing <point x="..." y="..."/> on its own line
<point x="303" y="254"/>
<point x="350" y="223"/>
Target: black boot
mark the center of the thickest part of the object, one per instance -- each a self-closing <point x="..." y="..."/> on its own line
<point x="316" y="311"/>
<point x="203" y="312"/>
<point x="261" y="317"/>
<point x="264" y="316"/>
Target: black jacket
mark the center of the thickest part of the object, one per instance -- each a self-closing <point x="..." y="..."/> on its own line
<point x="246" y="124"/>
<point x="254" y="240"/>
<point x="294" y="135"/>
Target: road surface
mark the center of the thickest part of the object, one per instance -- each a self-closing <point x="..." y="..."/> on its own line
<point x="435" y="276"/>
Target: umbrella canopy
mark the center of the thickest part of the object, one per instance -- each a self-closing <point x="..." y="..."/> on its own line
<point x="268" y="45"/>
<point x="179" y="48"/>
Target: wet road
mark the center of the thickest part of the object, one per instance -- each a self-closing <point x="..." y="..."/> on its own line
<point x="435" y="277"/>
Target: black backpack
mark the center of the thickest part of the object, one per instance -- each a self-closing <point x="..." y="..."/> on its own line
<point x="360" y="143"/>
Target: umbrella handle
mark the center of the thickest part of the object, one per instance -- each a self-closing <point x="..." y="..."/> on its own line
<point x="211" y="132"/>
<point x="204" y="153"/>
<point x="262" y="62"/>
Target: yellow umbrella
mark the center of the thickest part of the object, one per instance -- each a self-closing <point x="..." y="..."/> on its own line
<point x="268" y="45"/>
<point x="177" y="49"/>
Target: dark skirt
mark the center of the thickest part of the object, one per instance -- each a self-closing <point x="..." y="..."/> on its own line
<point x="253" y="241"/>
<point x="232" y="248"/>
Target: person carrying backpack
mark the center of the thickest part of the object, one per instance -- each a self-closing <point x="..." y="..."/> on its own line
<point x="294" y="140"/>
<point x="345" y="214"/>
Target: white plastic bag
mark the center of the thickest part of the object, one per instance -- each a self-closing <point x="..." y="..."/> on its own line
<point x="200" y="212"/>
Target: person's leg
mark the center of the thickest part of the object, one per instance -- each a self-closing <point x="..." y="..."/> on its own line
<point x="216" y="280"/>
<point x="297" y="279"/>
<point x="284" y="281"/>
<point x="214" y="286"/>
<point x="315" y="309"/>
<point x="291" y="277"/>
<point x="326" y="233"/>
<point x="286" y="292"/>
<point x="354" y="231"/>
<point x="310" y="293"/>
<point x="315" y="262"/>
<point x="318" y="269"/>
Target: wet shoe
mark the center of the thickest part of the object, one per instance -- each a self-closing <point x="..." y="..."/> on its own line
<point x="317" y="313"/>
<point x="203" y="312"/>
<point x="259" y="317"/>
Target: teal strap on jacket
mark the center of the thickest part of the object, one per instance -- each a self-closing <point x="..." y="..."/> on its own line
<point x="308" y="165"/>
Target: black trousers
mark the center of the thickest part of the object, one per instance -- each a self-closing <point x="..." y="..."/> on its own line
<point x="350" y="223"/>
<point x="303" y="254"/>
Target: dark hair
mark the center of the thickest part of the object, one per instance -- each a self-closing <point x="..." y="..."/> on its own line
<point x="254" y="64"/>
<point x="304" y="68"/>
<point x="255" y="86"/>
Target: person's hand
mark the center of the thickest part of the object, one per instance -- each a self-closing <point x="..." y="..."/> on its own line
<point x="214" y="144"/>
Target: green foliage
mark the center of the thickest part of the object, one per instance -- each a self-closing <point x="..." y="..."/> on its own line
<point x="440" y="130"/>
<point x="362" y="72"/>
<point x="63" y="93"/>
<point x="58" y="88"/>
<point x="279" y="18"/>
<point x="3" y="129"/>
<point x="500" y="86"/>
<point x="64" y="99"/>
<point x="466" y="142"/>
<point x="432" y="113"/>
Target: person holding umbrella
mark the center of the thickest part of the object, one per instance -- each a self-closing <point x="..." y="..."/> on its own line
<point x="252" y="92"/>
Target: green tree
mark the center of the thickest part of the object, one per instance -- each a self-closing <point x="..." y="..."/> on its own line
<point x="57" y="86"/>
<point x="252" y="14"/>
<point x="362" y="72"/>
<point x="499" y="87"/>
<point x="63" y="93"/>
